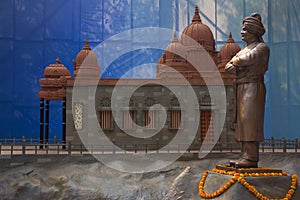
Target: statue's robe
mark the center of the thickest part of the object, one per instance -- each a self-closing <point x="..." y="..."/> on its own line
<point x="250" y="65"/>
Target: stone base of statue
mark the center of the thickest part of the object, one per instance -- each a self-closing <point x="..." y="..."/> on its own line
<point x="225" y="182"/>
<point x="229" y="168"/>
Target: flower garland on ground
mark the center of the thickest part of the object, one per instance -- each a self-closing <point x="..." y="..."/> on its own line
<point x="238" y="177"/>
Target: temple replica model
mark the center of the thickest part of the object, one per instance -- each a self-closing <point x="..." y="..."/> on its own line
<point x="58" y="85"/>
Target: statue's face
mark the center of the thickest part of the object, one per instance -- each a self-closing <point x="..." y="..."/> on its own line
<point x="247" y="36"/>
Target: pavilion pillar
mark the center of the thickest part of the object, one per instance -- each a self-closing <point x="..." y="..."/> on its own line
<point x="47" y="123"/>
<point x="42" y="105"/>
<point x="64" y="121"/>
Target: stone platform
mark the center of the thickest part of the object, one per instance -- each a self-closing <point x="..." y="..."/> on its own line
<point x="227" y="167"/>
<point x="273" y="187"/>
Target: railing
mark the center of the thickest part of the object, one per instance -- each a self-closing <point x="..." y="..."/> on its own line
<point x="18" y="141"/>
<point x="31" y="146"/>
<point x="280" y="144"/>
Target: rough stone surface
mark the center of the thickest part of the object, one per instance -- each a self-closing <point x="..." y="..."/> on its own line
<point x="83" y="177"/>
<point x="272" y="187"/>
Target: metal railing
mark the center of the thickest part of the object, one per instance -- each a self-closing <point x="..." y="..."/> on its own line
<point x="18" y="141"/>
<point x="280" y="144"/>
<point x="32" y="146"/>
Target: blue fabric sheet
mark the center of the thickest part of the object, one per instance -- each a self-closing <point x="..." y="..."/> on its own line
<point x="34" y="32"/>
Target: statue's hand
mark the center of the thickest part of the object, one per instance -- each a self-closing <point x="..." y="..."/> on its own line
<point x="229" y="67"/>
<point x="235" y="60"/>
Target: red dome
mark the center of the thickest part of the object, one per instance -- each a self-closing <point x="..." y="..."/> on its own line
<point x="199" y="32"/>
<point x="178" y="48"/>
<point x="56" y="70"/>
<point x="52" y="85"/>
<point x="87" y="61"/>
<point x="227" y="51"/>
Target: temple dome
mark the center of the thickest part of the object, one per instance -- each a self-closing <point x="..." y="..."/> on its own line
<point x="53" y="85"/>
<point x="87" y="61"/>
<point x="200" y="32"/>
<point x="227" y="51"/>
<point x="177" y="47"/>
<point x="56" y="70"/>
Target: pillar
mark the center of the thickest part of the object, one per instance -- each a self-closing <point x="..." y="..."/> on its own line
<point x="42" y="104"/>
<point x="47" y="123"/>
<point x="64" y="121"/>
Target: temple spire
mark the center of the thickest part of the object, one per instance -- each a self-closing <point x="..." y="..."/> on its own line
<point x="86" y="46"/>
<point x="196" y="17"/>
<point x="57" y="60"/>
<point x="175" y="39"/>
<point x="230" y="39"/>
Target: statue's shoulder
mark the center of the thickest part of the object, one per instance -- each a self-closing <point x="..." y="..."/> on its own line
<point x="263" y="46"/>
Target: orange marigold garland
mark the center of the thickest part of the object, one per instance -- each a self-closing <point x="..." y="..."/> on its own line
<point x="216" y="193"/>
<point x="238" y="177"/>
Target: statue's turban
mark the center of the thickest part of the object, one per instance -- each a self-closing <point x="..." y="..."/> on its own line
<point x="254" y="25"/>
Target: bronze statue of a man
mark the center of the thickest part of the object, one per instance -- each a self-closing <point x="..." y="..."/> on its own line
<point x="250" y="65"/>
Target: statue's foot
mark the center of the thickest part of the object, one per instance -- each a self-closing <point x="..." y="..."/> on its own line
<point x="244" y="163"/>
<point x="232" y="162"/>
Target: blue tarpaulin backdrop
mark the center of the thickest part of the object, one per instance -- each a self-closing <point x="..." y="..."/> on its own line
<point x="34" y="32"/>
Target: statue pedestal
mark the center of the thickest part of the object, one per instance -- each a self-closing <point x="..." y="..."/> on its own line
<point x="229" y="168"/>
<point x="222" y="186"/>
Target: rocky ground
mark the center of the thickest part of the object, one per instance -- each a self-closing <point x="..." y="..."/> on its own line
<point x="83" y="177"/>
